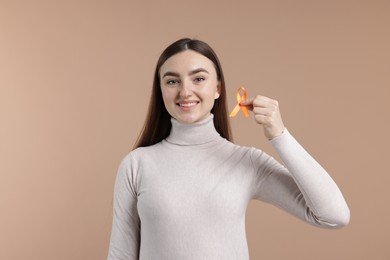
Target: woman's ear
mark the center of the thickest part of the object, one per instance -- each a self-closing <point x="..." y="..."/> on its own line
<point x="218" y="90"/>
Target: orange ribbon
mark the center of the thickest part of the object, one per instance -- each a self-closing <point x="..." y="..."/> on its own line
<point x="240" y="98"/>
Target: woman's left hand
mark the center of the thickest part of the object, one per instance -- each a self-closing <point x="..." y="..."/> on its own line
<point x="267" y="114"/>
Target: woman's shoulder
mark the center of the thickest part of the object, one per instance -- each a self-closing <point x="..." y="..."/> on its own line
<point x="245" y="150"/>
<point x="141" y="152"/>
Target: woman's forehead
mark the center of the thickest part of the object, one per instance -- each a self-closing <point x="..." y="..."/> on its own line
<point x="187" y="61"/>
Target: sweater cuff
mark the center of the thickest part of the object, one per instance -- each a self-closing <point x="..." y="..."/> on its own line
<point x="282" y="138"/>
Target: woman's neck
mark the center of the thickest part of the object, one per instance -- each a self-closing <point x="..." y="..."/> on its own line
<point x="193" y="134"/>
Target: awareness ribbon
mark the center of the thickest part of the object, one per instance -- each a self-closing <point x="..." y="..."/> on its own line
<point x="240" y="98"/>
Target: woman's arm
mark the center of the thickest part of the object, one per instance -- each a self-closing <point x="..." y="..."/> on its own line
<point x="125" y="235"/>
<point x="303" y="188"/>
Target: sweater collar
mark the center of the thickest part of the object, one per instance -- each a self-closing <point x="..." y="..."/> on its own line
<point x="193" y="134"/>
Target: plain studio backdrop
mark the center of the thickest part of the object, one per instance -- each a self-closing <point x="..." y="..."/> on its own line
<point x="75" y="80"/>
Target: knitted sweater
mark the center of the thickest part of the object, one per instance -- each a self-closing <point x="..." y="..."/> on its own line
<point x="186" y="197"/>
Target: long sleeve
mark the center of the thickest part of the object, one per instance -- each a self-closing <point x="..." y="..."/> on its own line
<point x="125" y="234"/>
<point x="302" y="187"/>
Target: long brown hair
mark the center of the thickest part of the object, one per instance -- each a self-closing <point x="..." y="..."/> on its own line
<point x="158" y="121"/>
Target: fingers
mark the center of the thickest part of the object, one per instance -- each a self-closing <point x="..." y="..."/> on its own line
<point x="266" y="113"/>
<point x="248" y="103"/>
<point x="258" y="101"/>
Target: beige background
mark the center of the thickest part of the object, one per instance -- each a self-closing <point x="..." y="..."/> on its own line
<point x="75" y="79"/>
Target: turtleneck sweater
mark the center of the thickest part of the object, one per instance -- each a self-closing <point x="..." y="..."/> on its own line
<point x="186" y="196"/>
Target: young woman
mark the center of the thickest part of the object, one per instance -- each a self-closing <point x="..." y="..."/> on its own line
<point x="183" y="191"/>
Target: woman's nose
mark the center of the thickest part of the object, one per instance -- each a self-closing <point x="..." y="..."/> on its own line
<point x="185" y="90"/>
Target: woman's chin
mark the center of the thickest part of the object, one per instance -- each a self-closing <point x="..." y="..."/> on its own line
<point x="191" y="119"/>
<point x="186" y="120"/>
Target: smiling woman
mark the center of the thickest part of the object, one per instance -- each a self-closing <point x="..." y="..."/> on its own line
<point x="182" y="193"/>
<point x="158" y="121"/>
<point x="189" y="86"/>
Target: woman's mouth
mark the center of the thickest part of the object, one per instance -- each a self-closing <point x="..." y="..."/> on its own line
<point x="187" y="105"/>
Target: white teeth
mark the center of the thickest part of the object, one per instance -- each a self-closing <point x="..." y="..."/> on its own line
<point x="187" y="104"/>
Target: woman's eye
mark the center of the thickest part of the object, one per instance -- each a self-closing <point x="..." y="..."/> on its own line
<point x="199" y="79"/>
<point x="172" y="82"/>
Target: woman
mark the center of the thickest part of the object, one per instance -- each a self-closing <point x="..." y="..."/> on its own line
<point x="183" y="192"/>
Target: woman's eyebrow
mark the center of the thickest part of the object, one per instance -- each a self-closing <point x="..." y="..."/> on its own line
<point x="192" y="72"/>
<point x="197" y="71"/>
<point x="170" y="73"/>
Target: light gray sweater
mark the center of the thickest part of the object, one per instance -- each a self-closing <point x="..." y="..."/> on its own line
<point x="186" y="197"/>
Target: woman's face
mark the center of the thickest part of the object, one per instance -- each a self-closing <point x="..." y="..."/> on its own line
<point x="189" y="86"/>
